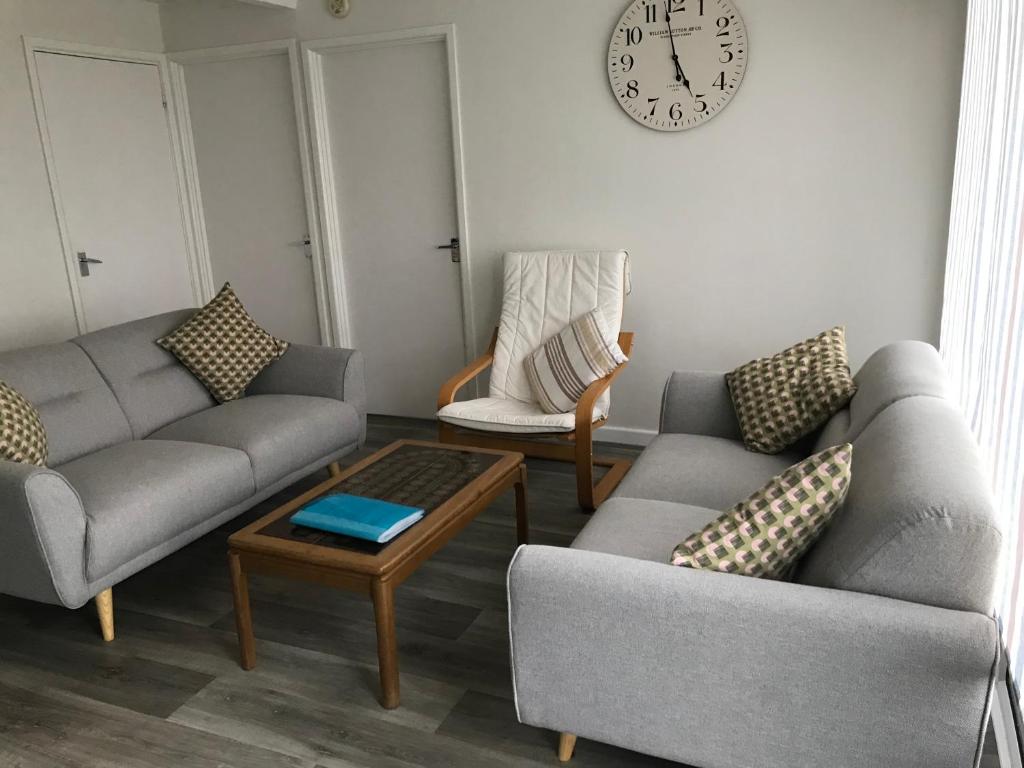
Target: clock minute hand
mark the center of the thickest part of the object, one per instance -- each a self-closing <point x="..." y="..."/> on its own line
<point x="680" y="75"/>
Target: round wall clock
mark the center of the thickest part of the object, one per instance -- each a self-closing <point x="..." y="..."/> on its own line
<point x="675" y="64"/>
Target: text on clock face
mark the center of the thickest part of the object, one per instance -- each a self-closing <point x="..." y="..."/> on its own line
<point x="674" y="64"/>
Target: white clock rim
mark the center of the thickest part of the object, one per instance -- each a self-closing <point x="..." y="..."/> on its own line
<point x="682" y="128"/>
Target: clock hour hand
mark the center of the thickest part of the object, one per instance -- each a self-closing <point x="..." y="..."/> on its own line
<point x="680" y="75"/>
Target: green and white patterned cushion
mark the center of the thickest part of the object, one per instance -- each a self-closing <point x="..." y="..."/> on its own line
<point x="767" y="533"/>
<point x="782" y="398"/>
<point x="223" y="346"/>
<point x="22" y="435"/>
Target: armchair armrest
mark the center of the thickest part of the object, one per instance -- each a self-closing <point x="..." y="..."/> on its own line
<point x="698" y="403"/>
<point x="451" y="388"/>
<point x="716" y="669"/>
<point x="585" y="405"/>
<point x="317" y="372"/>
<point x="42" y="536"/>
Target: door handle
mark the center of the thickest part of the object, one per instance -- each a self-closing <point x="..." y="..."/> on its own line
<point x="84" y="261"/>
<point x="455" y="247"/>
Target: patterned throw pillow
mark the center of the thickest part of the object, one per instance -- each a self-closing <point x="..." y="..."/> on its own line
<point x="782" y="398"/>
<point x="767" y="533"/>
<point x="562" y="369"/>
<point x="22" y="436"/>
<point x="223" y="346"/>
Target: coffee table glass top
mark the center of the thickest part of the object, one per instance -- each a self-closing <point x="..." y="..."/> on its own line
<point x="415" y="475"/>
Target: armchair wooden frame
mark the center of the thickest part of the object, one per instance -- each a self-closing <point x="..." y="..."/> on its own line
<point x="576" y="446"/>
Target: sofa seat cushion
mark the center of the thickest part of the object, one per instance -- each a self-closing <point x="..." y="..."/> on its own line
<point x="706" y="471"/>
<point x="641" y="528"/>
<point x="280" y="433"/>
<point x="493" y="414"/>
<point x="139" y="494"/>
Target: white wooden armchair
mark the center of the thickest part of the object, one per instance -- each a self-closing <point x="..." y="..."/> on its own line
<point x="543" y="293"/>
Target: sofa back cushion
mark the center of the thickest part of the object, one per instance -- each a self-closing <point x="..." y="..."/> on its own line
<point x="893" y="372"/>
<point x="77" y="408"/>
<point x="152" y="387"/>
<point x="918" y="523"/>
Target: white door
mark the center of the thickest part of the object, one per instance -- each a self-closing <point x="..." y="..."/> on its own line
<point x="115" y="176"/>
<point x="391" y="142"/>
<point x="250" y="175"/>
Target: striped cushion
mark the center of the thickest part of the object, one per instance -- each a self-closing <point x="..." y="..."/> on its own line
<point x="561" y="370"/>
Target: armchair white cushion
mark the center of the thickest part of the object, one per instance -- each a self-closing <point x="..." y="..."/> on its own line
<point x="543" y="293"/>
<point x="493" y="414"/>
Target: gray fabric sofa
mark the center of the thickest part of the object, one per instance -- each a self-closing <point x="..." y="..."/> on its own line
<point x="143" y="460"/>
<point x="882" y="652"/>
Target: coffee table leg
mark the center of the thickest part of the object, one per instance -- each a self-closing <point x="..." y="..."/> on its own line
<point x="522" y="523"/>
<point x="387" y="647"/>
<point x="243" y="616"/>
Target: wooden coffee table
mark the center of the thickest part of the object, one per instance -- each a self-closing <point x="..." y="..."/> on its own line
<point x="453" y="484"/>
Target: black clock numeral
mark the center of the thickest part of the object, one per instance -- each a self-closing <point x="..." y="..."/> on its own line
<point x="675" y="112"/>
<point x="726" y="52"/>
<point x="723" y="26"/>
<point x="701" y="13"/>
<point x="699" y="105"/>
<point x="720" y="81"/>
<point x="634" y="35"/>
<point x="632" y="89"/>
<point x="652" y="13"/>
<point x="654" y="106"/>
<point x="627" y="63"/>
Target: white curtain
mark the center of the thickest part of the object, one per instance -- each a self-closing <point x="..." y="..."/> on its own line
<point x="983" y="312"/>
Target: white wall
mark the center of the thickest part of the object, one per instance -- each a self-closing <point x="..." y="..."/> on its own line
<point x="820" y="196"/>
<point x="35" y="300"/>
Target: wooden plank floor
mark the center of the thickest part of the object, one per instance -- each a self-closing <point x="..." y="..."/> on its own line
<point x="169" y="691"/>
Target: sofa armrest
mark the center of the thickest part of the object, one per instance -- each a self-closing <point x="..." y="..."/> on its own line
<point x="42" y="536"/>
<point x="698" y="403"/>
<point x="716" y="669"/>
<point x="317" y="372"/>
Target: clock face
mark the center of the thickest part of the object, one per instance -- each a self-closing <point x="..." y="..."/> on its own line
<point x="675" y="64"/>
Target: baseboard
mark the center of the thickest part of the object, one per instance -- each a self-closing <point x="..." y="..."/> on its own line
<point x="624" y="435"/>
<point x="1005" y="720"/>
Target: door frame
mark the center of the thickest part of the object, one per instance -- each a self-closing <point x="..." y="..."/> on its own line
<point x="195" y="237"/>
<point x="314" y="52"/>
<point x="326" y="307"/>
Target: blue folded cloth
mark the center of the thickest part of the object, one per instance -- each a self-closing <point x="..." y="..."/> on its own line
<point x="357" y="516"/>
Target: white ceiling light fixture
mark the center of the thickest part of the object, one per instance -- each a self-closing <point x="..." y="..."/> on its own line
<point x="290" y="4"/>
<point x="339" y="8"/>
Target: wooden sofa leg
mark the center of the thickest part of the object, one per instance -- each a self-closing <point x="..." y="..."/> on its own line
<point x="334" y="469"/>
<point x="566" y="745"/>
<point x="105" y="610"/>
